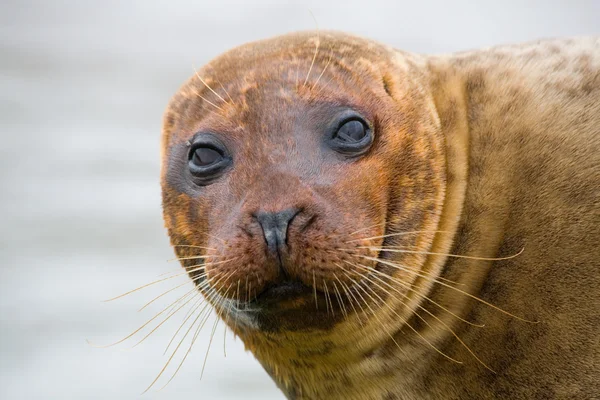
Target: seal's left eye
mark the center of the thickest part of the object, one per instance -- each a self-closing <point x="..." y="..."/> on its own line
<point x="205" y="156"/>
<point x="208" y="159"/>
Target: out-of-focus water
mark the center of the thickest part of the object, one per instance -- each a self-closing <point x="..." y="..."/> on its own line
<point x="82" y="88"/>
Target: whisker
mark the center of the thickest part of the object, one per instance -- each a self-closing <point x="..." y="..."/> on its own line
<point x="212" y="264"/>
<point x="186" y="272"/>
<point x="441" y="322"/>
<point x="400" y="267"/>
<point x="339" y="299"/>
<point x="202" y="275"/>
<point x="196" y="333"/>
<point x="209" y="88"/>
<point x="329" y="305"/>
<point x="220" y="278"/>
<point x="247" y="293"/>
<point x="316" y="50"/>
<point x="325" y="68"/>
<point x="204" y="303"/>
<point x="209" y="343"/>
<point x="226" y="92"/>
<point x="237" y="306"/>
<point x="195" y="247"/>
<point x="207" y="286"/>
<point x="174" y="271"/>
<point x="362" y="298"/>
<point x="407" y="324"/>
<point x="451" y="287"/>
<point x="209" y="297"/>
<point x="147" y="322"/>
<point x="325" y="84"/>
<point x="315" y="290"/>
<point x="395" y="234"/>
<point x="169" y="316"/>
<point x="373" y="312"/>
<point x="191" y="258"/>
<point x="195" y="306"/>
<point x="212" y="296"/>
<point x="152" y="283"/>
<point x="225" y="336"/>
<point x="404" y="250"/>
<point x="201" y="319"/>
<point x="297" y="74"/>
<point x="237" y="296"/>
<point x="348" y="293"/>
<point x="203" y="264"/>
<point x="416" y="292"/>
<point x="226" y="321"/>
<point x="367" y="228"/>
<point x="172" y="355"/>
<point x="206" y="100"/>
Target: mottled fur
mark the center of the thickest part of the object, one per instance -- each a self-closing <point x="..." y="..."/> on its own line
<point x="497" y="149"/>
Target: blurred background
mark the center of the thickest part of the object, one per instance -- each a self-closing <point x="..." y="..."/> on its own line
<point x="83" y="85"/>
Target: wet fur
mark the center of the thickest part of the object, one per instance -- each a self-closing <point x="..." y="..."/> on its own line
<point x="499" y="147"/>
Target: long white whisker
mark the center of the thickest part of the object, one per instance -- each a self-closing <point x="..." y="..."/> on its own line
<point x="394" y="234"/>
<point x="209" y="88"/>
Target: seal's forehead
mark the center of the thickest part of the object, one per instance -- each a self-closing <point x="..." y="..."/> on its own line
<point x="290" y="73"/>
<point x="302" y="45"/>
<point x="298" y="57"/>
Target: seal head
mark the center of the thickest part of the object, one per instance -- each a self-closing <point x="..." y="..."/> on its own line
<point x="288" y="165"/>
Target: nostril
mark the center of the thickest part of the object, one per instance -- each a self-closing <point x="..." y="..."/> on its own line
<point x="275" y="226"/>
<point x="308" y="223"/>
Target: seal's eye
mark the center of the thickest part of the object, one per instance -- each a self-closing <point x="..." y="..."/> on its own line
<point x="353" y="136"/>
<point x="207" y="159"/>
<point x="351" y="132"/>
<point x="205" y="156"/>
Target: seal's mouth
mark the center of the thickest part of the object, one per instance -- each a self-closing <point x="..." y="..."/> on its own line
<point x="290" y="305"/>
<point x="284" y="295"/>
<point x="285" y="290"/>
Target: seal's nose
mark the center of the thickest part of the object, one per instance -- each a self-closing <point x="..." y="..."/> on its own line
<point x="275" y="227"/>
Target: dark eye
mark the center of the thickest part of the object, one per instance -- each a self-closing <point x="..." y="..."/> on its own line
<point x="207" y="160"/>
<point x="351" y="132"/>
<point x="205" y="156"/>
<point x="352" y="137"/>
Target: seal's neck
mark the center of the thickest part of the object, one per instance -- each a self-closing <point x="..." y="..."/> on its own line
<point x="314" y="364"/>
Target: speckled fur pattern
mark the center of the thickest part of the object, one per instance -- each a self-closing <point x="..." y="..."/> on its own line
<point x="484" y="153"/>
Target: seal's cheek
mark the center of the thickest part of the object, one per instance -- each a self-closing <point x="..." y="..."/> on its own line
<point x="239" y="265"/>
<point x="324" y="253"/>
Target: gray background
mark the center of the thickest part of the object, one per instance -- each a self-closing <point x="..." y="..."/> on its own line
<point x="82" y="88"/>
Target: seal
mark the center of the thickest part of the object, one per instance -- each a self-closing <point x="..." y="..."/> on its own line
<point x="376" y="224"/>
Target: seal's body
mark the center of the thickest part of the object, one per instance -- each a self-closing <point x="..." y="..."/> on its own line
<point x="381" y="225"/>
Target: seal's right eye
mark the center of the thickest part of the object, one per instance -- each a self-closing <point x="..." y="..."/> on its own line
<point x="352" y="136"/>
<point x="207" y="160"/>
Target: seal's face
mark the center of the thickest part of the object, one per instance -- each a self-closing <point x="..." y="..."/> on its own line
<point x="286" y="171"/>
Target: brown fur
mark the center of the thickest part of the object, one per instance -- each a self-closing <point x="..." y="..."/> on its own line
<point x="497" y="150"/>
